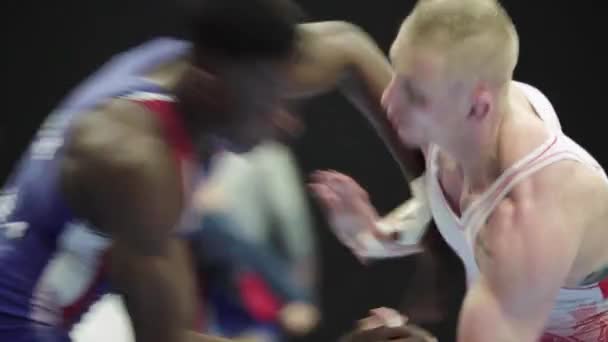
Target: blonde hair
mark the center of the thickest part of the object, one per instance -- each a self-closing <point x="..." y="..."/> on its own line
<point x="477" y="36"/>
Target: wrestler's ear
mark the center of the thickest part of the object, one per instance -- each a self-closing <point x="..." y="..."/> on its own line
<point x="481" y="104"/>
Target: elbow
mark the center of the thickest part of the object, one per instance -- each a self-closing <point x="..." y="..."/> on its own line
<point x="339" y="27"/>
<point x="344" y="31"/>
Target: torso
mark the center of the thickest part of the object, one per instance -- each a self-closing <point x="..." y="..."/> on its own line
<point x="460" y="216"/>
<point x="51" y="261"/>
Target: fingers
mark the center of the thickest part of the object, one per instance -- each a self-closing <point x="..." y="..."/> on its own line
<point x="418" y="334"/>
<point x="326" y="195"/>
<point x="342" y="184"/>
<point x="333" y="191"/>
<point x="348" y="208"/>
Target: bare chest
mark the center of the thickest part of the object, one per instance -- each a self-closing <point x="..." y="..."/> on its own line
<point x="459" y="197"/>
<point x="451" y="181"/>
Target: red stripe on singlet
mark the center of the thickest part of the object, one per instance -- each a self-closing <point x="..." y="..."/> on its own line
<point x="603" y="285"/>
<point x="178" y="139"/>
<point x="71" y="312"/>
<point x="173" y="127"/>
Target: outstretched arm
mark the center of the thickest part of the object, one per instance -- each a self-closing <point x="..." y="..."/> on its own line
<point x="338" y="54"/>
<point x="356" y="222"/>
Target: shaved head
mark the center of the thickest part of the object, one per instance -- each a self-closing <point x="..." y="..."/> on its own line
<point x="453" y="62"/>
<point x="475" y="38"/>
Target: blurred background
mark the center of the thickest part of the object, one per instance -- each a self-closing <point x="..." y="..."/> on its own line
<point x="50" y="46"/>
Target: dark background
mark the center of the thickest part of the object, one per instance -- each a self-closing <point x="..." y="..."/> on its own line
<point x="51" y="45"/>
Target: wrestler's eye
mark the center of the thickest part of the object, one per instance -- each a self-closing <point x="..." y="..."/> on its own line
<point x="418" y="99"/>
<point x="414" y="96"/>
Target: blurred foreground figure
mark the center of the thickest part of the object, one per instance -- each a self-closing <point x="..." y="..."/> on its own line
<point x="256" y="242"/>
<point x="98" y="202"/>
<point x="521" y="203"/>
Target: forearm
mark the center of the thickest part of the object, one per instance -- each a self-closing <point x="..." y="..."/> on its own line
<point x="339" y="54"/>
<point x="369" y="74"/>
<point x="158" y="293"/>
<point x="484" y="319"/>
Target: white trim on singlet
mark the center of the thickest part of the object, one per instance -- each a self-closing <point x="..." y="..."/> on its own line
<point x="556" y="148"/>
<point x="148" y="96"/>
<point x="511" y="171"/>
<point x="546" y="113"/>
<point x="568" y="317"/>
<point x="69" y="274"/>
<point x="485" y="209"/>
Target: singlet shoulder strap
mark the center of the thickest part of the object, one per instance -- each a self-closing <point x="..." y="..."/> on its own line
<point x="557" y="151"/>
<point x="542" y="106"/>
<point x="470" y="213"/>
<point x="553" y="149"/>
<point x="162" y="106"/>
<point x="146" y="96"/>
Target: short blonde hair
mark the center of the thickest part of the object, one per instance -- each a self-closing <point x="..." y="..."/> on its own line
<point x="478" y="37"/>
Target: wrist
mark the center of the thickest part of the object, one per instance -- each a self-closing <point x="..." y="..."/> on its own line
<point x="418" y="187"/>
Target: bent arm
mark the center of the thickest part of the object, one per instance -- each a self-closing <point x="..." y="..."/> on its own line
<point x="525" y="258"/>
<point x="338" y="54"/>
<point x="123" y="182"/>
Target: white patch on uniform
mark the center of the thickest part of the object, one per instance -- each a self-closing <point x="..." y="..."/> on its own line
<point x="70" y="272"/>
<point x="45" y="148"/>
<point x="49" y="138"/>
<point x="148" y="96"/>
<point x="8" y="203"/>
<point x="107" y="320"/>
<point x="14" y="230"/>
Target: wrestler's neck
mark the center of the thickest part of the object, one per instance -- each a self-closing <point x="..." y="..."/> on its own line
<point x="168" y="76"/>
<point x="480" y="157"/>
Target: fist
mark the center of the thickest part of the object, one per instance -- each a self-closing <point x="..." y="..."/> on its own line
<point x="299" y="318"/>
<point x="386" y="324"/>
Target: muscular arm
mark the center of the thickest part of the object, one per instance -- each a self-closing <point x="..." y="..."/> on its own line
<point x="525" y="253"/>
<point x="339" y="54"/>
<point x="119" y="176"/>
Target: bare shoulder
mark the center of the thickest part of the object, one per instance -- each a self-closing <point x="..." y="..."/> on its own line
<point x="327" y="27"/>
<point x="567" y="189"/>
<point x="317" y="37"/>
<point x="542" y="224"/>
<point x="108" y="128"/>
<point x="564" y="186"/>
<point x="115" y="157"/>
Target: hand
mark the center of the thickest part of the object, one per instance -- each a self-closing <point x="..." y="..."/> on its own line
<point x="299" y="318"/>
<point x="210" y="197"/>
<point x="347" y="207"/>
<point x="386" y="324"/>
